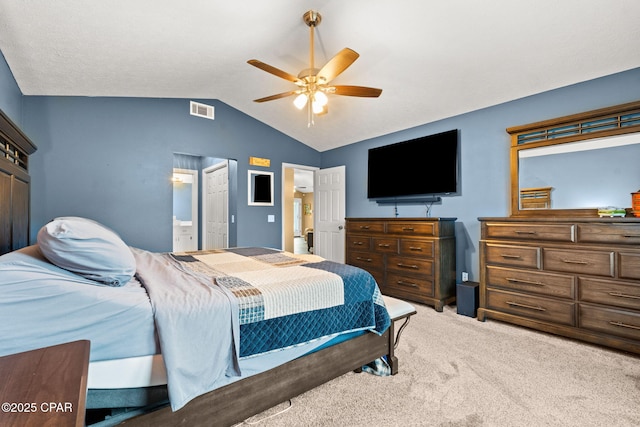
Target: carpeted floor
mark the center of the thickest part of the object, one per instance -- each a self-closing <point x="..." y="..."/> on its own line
<point x="457" y="371"/>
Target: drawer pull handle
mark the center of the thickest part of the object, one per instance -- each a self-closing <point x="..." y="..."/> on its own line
<point x="364" y="227"/>
<point x="524" y="282"/>
<point x="621" y="295"/>
<point x="412" y="266"/>
<point x="409" y="284"/>
<point x="574" y="261"/>
<point x="530" y="307"/>
<point x="525" y="232"/>
<point x="384" y="245"/>
<point x="510" y="256"/>
<point x="358" y="243"/>
<point x="415" y="248"/>
<point x="407" y="228"/>
<point x="364" y="259"/>
<point x="632" y="236"/>
<point x="625" y="325"/>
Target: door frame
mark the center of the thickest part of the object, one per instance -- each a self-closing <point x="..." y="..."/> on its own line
<point x="195" y="215"/>
<point x="284" y="199"/>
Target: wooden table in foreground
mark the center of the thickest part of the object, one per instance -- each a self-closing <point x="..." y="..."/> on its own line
<point x="45" y="387"/>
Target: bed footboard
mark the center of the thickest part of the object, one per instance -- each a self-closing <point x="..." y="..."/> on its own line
<point x="238" y="401"/>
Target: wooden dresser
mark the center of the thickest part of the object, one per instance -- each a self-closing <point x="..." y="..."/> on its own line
<point x="410" y="258"/>
<point x="15" y="148"/>
<point x="579" y="278"/>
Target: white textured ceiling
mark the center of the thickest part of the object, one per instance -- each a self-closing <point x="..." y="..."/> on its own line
<point x="433" y="59"/>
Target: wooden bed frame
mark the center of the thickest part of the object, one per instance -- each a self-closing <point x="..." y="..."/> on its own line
<point x="234" y="403"/>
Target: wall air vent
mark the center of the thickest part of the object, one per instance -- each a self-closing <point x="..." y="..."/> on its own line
<point x="202" y="110"/>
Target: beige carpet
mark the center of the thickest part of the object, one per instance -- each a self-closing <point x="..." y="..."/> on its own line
<point x="457" y="371"/>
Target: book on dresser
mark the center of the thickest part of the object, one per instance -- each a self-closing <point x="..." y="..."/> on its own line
<point x="410" y="258"/>
<point x="579" y="278"/>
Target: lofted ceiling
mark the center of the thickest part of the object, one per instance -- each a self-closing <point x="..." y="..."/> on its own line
<point x="433" y="59"/>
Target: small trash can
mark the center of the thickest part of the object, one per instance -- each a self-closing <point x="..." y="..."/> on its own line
<point x="467" y="298"/>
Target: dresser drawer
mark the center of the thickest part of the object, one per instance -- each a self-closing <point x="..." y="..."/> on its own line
<point x="610" y="293"/>
<point x="357" y="242"/>
<point x="599" y="263"/>
<point x="557" y="285"/>
<point x="378" y="275"/>
<point x="616" y="322"/>
<point x="525" y="231"/>
<point x="629" y="265"/>
<point x="365" y="226"/>
<point x="419" y="286"/>
<point x="516" y="256"/>
<point x="532" y="307"/>
<point x="385" y="245"/>
<point x="367" y="260"/>
<point x="407" y="265"/>
<point x="411" y="229"/>
<point x="417" y="248"/>
<point x="626" y="234"/>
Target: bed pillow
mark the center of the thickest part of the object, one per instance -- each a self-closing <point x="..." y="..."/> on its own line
<point x="87" y="248"/>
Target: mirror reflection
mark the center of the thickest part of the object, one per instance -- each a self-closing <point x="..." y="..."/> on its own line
<point x="593" y="173"/>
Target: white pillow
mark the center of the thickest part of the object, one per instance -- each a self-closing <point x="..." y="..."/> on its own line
<point x="87" y="248"/>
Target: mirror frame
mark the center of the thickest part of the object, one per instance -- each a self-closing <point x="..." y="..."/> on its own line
<point x="604" y="122"/>
<point x="251" y="188"/>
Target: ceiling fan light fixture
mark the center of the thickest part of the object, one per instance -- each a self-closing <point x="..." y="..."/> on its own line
<point x="313" y="83"/>
<point x="300" y="101"/>
<point x="320" y="98"/>
<point x="317" y="107"/>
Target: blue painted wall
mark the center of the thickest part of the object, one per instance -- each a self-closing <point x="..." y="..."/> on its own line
<point x="10" y="94"/>
<point x="484" y="157"/>
<point x="111" y="159"/>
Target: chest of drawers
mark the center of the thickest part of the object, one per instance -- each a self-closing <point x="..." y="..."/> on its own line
<point x="577" y="278"/>
<point x="410" y="258"/>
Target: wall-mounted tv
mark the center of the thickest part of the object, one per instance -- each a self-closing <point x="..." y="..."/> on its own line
<point x="418" y="167"/>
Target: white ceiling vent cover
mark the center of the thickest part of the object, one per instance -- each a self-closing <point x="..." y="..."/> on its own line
<point x="202" y="110"/>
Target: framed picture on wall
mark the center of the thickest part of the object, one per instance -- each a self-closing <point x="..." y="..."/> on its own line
<point x="260" y="188"/>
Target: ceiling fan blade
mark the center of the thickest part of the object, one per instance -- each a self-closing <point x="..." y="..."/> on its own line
<point x="337" y="65"/>
<point x="277" y="96"/>
<point x="273" y="70"/>
<point x="367" y="92"/>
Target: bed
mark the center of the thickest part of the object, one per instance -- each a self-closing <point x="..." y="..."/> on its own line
<point x="184" y="339"/>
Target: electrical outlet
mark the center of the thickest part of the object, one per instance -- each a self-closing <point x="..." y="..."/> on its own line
<point x="465" y="276"/>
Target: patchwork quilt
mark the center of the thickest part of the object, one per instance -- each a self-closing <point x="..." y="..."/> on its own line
<point x="286" y="299"/>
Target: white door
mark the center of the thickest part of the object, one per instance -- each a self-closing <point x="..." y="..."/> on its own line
<point x="329" y="213"/>
<point x="216" y="206"/>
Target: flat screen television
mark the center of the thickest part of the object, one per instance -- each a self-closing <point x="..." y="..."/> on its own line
<point x="424" y="166"/>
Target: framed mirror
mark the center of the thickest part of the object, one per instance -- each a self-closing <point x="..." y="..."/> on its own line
<point x="573" y="165"/>
<point x="260" y="188"/>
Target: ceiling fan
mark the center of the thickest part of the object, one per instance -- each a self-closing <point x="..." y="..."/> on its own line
<point x="313" y="83"/>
